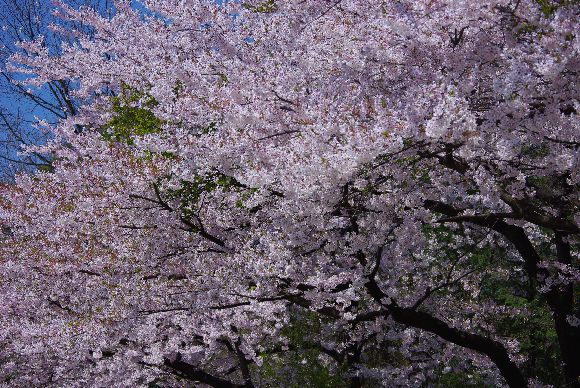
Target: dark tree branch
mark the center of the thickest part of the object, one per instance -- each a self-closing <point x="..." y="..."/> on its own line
<point x="188" y="371"/>
<point x="559" y="298"/>
<point x="422" y="320"/>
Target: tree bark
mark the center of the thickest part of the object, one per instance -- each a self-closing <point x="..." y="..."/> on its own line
<point x="424" y="321"/>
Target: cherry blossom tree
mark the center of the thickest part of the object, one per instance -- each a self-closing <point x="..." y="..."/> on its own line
<point x="20" y="21"/>
<point x="284" y="193"/>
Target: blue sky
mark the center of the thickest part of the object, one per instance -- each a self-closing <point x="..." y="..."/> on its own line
<point x="14" y="105"/>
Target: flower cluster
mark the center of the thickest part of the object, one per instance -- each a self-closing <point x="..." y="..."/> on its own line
<point x="365" y="191"/>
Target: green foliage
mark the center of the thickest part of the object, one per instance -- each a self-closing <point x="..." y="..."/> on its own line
<point x="439" y="232"/>
<point x="149" y="155"/>
<point x="444" y="237"/>
<point x="420" y="173"/>
<point x="302" y="365"/>
<point x="211" y="127"/>
<point x="532" y="326"/>
<point x="154" y="384"/>
<point x="460" y="380"/>
<point x="132" y="117"/>
<point x="481" y="258"/>
<point x="303" y="369"/>
<point x="178" y="89"/>
<point x="549" y="7"/>
<point x="190" y="192"/>
<point x="527" y="30"/>
<point x="533" y="329"/>
<point x="535" y="151"/>
<point x="46" y="168"/>
<point x="244" y="196"/>
<point x="537" y="338"/>
<point x="267" y="6"/>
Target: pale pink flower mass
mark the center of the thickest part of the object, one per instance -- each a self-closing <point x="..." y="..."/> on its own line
<point x="384" y="183"/>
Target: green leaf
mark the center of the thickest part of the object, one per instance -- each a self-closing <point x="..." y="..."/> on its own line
<point x="267" y="6"/>
<point x="133" y="116"/>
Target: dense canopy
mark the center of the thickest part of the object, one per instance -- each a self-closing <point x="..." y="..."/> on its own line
<point x="301" y="193"/>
